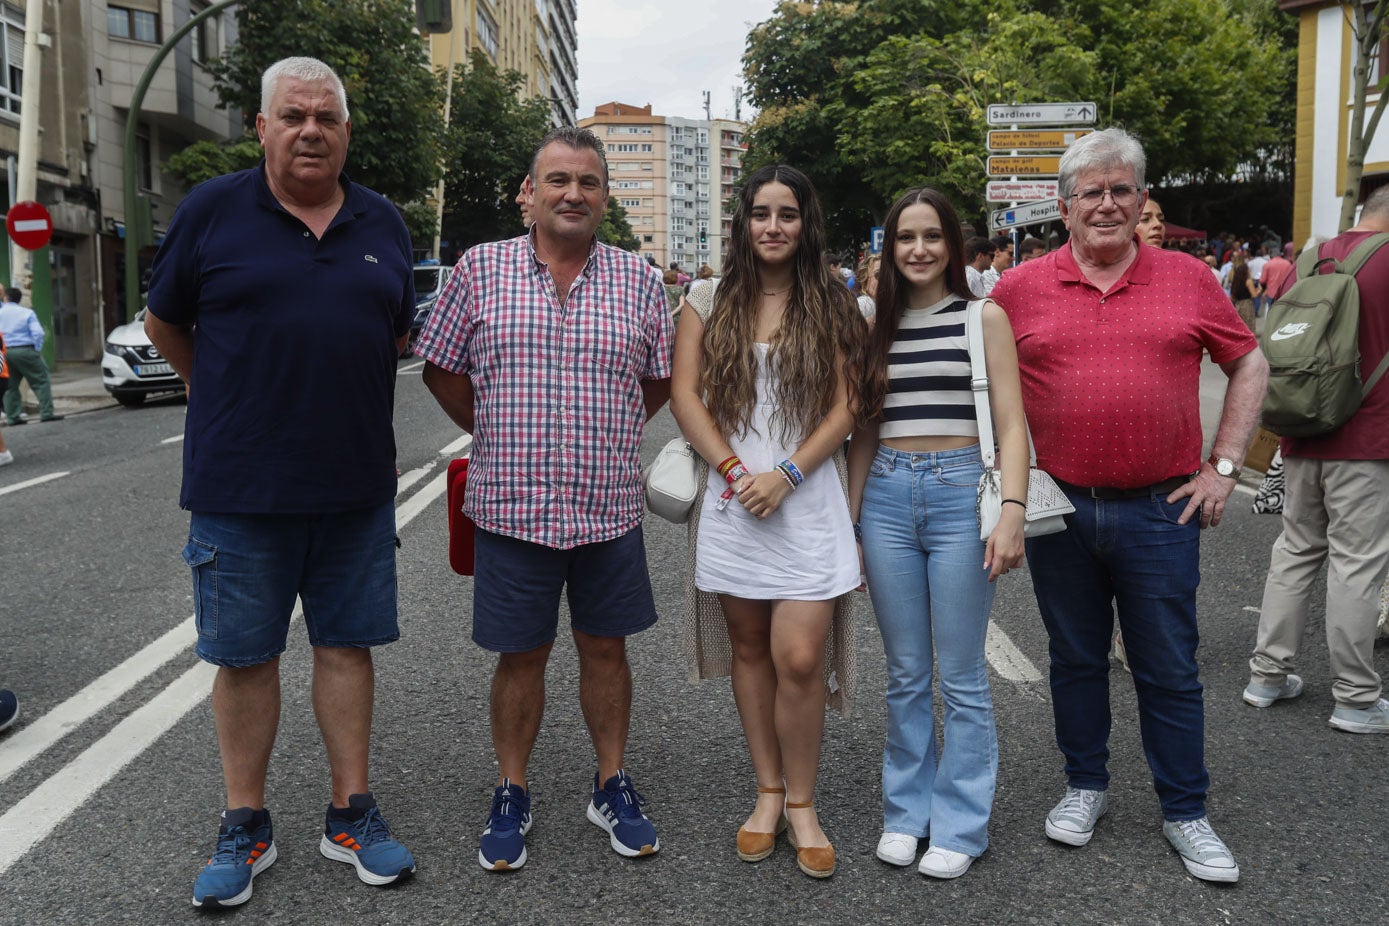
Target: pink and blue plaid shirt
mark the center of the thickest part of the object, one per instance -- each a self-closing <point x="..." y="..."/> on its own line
<point x="557" y="398"/>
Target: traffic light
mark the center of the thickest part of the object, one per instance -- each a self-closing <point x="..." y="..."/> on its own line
<point x="703" y="236"/>
<point x="433" y="17"/>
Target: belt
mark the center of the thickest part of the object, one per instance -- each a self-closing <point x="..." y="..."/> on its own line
<point x="1105" y="493"/>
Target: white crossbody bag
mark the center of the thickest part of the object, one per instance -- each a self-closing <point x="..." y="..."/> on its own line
<point x="1047" y="505"/>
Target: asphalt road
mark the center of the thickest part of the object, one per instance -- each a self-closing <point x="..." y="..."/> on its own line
<point x="110" y="784"/>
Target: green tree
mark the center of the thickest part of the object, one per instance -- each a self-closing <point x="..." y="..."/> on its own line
<point x="1368" y="31"/>
<point x="616" y="230"/>
<point x="393" y="98"/>
<point x="204" y="160"/>
<point x="491" y="135"/>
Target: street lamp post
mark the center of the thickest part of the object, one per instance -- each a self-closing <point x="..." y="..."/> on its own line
<point x="132" y="122"/>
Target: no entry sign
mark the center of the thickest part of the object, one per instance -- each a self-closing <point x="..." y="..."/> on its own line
<point x="29" y="225"/>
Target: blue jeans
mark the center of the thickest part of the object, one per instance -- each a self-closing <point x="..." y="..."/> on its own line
<point x="924" y="561"/>
<point x="1132" y="553"/>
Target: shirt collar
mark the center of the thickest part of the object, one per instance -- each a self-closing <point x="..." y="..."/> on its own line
<point x="594" y="252"/>
<point x="1138" y="273"/>
<point x="352" y="193"/>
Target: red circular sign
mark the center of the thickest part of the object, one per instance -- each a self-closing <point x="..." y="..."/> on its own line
<point x="29" y="224"/>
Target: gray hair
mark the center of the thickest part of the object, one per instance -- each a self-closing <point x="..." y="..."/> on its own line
<point x="575" y="138"/>
<point x="309" y="69"/>
<point x="1102" y="150"/>
<point x="1377" y="203"/>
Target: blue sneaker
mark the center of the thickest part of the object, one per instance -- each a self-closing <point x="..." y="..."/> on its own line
<point x="245" y="848"/>
<point x="366" y="843"/>
<point x="9" y="708"/>
<point x="616" y="807"/>
<point x="503" y="846"/>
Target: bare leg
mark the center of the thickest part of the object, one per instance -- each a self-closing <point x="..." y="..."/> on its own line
<point x="246" y="707"/>
<point x="518" y="703"/>
<point x="755" y="693"/>
<point x="799" y="629"/>
<point x="605" y="694"/>
<point x="344" y="686"/>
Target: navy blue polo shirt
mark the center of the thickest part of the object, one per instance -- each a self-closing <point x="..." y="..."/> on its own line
<point x="294" y="353"/>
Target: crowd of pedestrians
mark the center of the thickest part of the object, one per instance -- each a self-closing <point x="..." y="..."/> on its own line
<point x="838" y="451"/>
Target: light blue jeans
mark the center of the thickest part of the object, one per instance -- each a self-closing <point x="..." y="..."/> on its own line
<point x="924" y="561"/>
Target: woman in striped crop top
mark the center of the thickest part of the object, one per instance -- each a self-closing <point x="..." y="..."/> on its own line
<point x="914" y="468"/>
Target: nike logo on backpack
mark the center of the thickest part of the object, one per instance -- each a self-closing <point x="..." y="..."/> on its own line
<point x="1290" y="330"/>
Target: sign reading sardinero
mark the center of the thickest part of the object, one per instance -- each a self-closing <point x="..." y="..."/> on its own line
<point x="1041" y="113"/>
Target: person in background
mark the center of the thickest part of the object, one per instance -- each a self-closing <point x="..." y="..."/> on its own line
<point x="23" y="336"/>
<point x="914" y="470"/>
<point x="554" y="486"/>
<point x="675" y="292"/>
<point x="1276" y="271"/>
<point x="1243" y="289"/>
<point x="1003" y="259"/>
<point x="1335" y="511"/>
<point x="1032" y="248"/>
<point x="1256" y="273"/>
<point x="1152" y="224"/>
<point x="762" y="389"/>
<point x="6" y="456"/>
<point x="868" y="270"/>
<point x="1098" y="387"/>
<point x="291" y="489"/>
<point x="979" y="256"/>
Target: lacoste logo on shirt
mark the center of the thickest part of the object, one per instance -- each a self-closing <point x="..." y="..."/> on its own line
<point x="1290" y="330"/>
<point x="370" y="258"/>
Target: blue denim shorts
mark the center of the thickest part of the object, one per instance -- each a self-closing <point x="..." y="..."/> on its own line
<point x="249" y="568"/>
<point x="517" y="586"/>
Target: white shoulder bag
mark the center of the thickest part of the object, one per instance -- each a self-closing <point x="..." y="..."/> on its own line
<point x="1047" y="505"/>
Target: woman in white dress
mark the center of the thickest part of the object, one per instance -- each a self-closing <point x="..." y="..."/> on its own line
<point x="761" y="389"/>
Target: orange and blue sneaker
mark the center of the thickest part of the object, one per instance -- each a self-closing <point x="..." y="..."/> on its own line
<point x="360" y="836"/>
<point x="503" y="844"/>
<point x="616" y="807"/>
<point x="245" y="848"/>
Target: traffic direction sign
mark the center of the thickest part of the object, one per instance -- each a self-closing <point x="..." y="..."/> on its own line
<point x="1042" y="114"/>
<point x="29" y="225"/>
<point x="1020" y="191"/>
<point x="1036" y="165"/>
<point x="1035" y="139"/>
<point x="1026" y="214"/>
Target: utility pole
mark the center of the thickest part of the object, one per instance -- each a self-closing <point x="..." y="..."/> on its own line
<point x="708" y="115"/>
<point x="36" y="282"/>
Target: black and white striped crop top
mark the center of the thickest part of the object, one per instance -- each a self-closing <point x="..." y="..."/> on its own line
<point x="928" y="375"/>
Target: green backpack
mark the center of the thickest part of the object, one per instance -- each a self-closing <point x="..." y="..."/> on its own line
<point x="1311" y="338"/>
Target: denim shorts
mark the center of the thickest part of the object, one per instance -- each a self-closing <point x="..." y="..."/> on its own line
<point x="249" y="568"/>
<point x="517" y="586"/>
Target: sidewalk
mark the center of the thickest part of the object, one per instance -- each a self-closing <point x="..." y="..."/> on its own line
<point x="76" y="388"/>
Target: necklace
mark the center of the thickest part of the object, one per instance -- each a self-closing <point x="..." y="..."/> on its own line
<point x="782" y="293"/>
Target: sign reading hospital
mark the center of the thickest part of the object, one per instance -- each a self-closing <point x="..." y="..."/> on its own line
<point x="1042" y="114"/>
<point x="1026" y="214"/>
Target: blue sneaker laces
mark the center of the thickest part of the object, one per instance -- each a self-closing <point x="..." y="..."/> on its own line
<point x="506" y="814"/>
<point x="626" y="801"/>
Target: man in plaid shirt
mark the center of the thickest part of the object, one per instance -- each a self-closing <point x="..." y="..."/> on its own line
<point x="553" y="350"/>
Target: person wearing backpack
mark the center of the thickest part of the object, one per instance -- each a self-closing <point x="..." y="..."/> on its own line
<point x="1335" y="511"/>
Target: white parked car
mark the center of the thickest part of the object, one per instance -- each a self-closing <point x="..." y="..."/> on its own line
<point x="132" y="370"/>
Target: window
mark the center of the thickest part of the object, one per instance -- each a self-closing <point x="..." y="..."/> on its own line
<point x="625" y="149"/>
<point x="204" y="36"/>
<point x="11" y="58"/>
<point x="629" y="185"/>
<point x="122" y="22"/>
<point x="487" y="35"/>
<point x="648" y="148"/>
<point x="647" y="239"/>
<point x="629" y="203"/>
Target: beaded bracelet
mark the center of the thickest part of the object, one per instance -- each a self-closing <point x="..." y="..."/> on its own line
<point x="792" y="472"/>
<point x="790" y="480"/>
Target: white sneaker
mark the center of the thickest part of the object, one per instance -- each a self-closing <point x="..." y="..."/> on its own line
<point x="944" y="863"/>
<point x="897" y="849"/>
<point x="1073" y="820"/>
<point x="6" y="458"/>
<point x="1372" y="719"/>
<point x="1203" y="853"/>
<point x="1261" y="695"/>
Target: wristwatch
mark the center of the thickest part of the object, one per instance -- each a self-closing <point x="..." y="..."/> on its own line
<point x="1224" y="467"/>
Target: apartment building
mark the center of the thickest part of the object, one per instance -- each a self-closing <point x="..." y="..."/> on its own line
<point x="536" y="38"/>
<point x="664" y="174"/>
<point x="93" y="55"/>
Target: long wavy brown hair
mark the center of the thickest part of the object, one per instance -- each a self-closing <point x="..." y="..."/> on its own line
<point x="893" y="292"/>
<point x="821" y="325"/>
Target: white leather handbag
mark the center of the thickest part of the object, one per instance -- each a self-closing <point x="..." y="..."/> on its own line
<point x="671" y="489"/>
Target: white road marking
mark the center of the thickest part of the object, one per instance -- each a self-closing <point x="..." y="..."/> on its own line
<point x="172" y="440"/>
<point x="1241" y="487"/>
<point x="457" y="447"/>
<point x="40" y="812"/>
<point x="37" y="480"/>
<point x="1007" y="660"/>
<point x="30" y="741"/>
<point x="1253" y="609"/>
<point x="412" y="368"/>
<point x="406" y="480"/>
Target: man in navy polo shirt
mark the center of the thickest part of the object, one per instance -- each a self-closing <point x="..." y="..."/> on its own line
<point x="283" y="295"/>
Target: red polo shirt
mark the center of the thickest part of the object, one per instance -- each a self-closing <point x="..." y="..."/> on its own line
<point x="1112" y="381"/>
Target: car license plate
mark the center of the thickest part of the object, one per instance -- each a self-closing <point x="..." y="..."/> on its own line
<point x="153" y="369"/>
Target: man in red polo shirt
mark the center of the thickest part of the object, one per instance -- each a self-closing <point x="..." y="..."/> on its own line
<point x="1110" y="339"/>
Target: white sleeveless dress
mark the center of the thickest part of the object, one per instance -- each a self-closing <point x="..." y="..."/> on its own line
<point x="804" y="551"/>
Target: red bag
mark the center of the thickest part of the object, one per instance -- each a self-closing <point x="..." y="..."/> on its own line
<point x="460" y="525"/>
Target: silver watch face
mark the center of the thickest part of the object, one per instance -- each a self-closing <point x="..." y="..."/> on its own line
<point x="1225" y="467"/>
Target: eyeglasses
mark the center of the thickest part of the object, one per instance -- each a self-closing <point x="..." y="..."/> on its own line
<point x="1121" y="194"/>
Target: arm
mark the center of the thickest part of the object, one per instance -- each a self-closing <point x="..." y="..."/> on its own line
<point x="863" y="445"/>
<point x="1244" y="398"/>
<point x="36" y="332"/>
<point x="401" y="343"/>
<point x="654" y="394"/>
<point x="175" y="342"/>
<point x="686" y="402"/>
<point x="453" y="392"/>
<point x="763" y="493"/>
<point x="1004" y="549"/>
